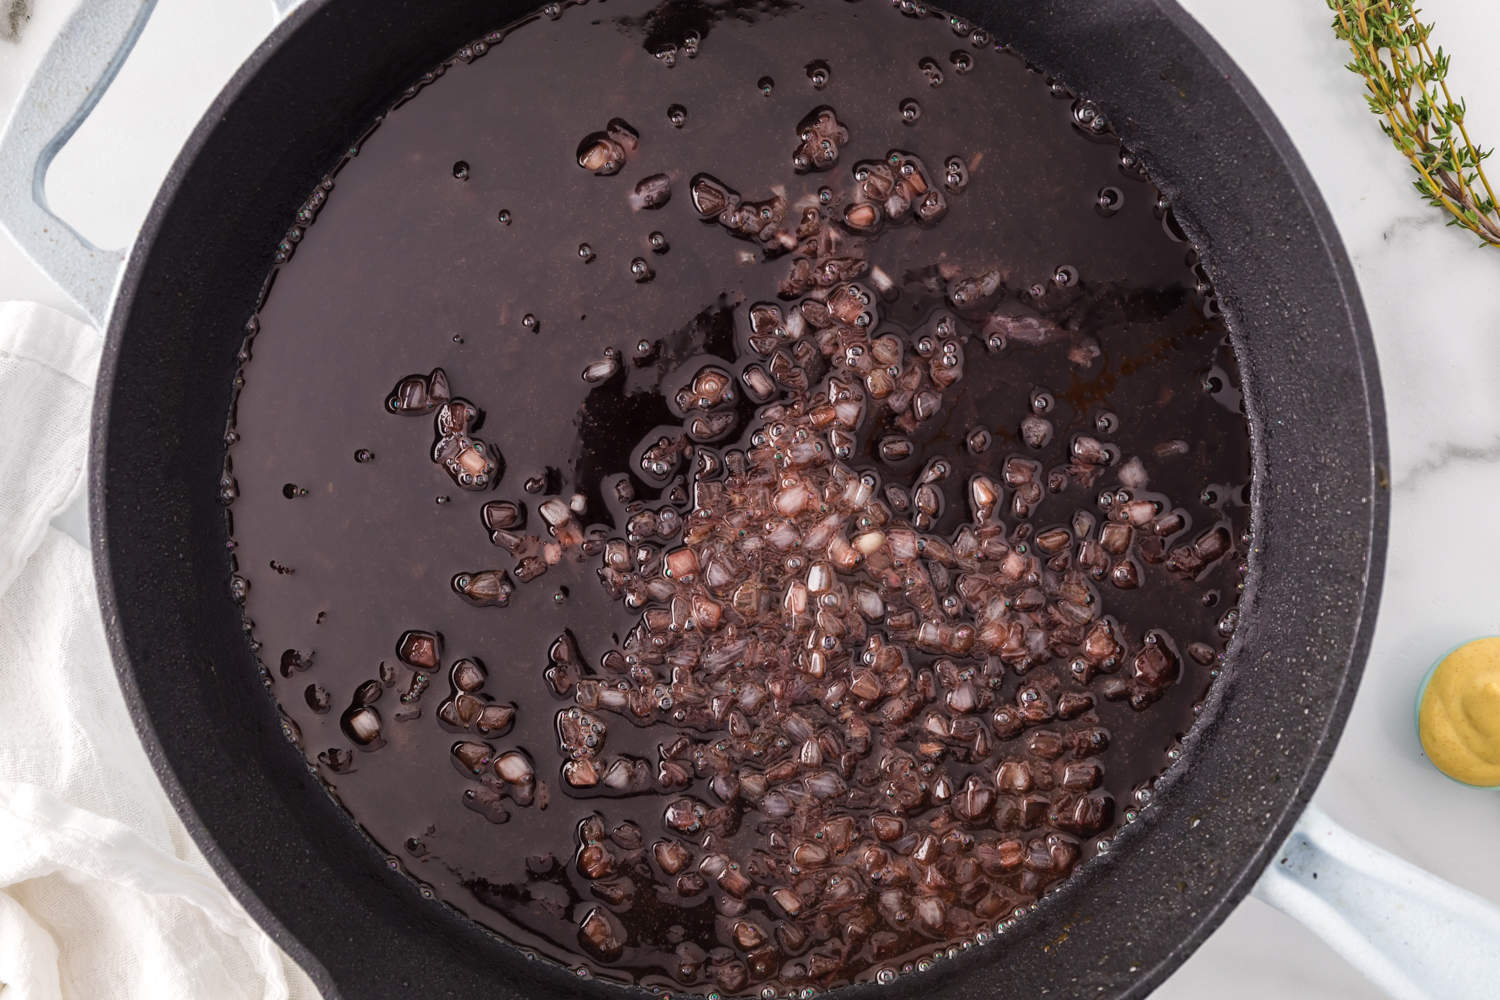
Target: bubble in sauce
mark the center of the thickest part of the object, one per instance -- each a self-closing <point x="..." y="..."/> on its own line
<point x="1109" y="200"/>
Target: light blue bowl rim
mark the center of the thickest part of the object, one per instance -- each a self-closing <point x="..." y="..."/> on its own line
<point x="1417" y="716"/>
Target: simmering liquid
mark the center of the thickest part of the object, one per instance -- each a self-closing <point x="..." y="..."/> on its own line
<point x="739" y="497"/>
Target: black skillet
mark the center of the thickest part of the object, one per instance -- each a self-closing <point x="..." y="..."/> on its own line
<point x="290" y="853"/>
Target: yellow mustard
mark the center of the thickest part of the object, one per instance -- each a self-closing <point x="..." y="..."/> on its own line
<point x="1459" y="718"/>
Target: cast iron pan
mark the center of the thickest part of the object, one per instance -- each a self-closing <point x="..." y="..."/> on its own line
<point x="293" y="857"/>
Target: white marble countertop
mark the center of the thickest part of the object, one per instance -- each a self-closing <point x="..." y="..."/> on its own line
<point x="1432" y="299"/>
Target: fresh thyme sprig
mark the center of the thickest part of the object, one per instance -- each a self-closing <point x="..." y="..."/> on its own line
<point x="1407" y="84"/>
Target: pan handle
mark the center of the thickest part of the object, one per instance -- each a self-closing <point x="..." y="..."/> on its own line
<point x="67" y="84"/>
<point x="71" y="78"/>
<point x="1414" y="935"/>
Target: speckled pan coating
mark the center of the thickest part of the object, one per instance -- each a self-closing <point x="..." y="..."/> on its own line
<point x="290" y="853"/>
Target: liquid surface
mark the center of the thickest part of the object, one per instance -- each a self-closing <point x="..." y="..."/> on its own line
<point x="1459" y="718"/>
<point x="752" y="517"/>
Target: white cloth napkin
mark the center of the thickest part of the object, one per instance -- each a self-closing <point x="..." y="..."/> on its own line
<point x="102" y="892"/>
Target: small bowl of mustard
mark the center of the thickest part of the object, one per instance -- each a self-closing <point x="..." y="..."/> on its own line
<point x="1458" y="713"/>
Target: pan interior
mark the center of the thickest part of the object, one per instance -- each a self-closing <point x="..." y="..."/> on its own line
<point x="1040" y="335"/>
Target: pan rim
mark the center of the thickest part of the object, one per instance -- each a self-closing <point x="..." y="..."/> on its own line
<point x="108" y="573"/>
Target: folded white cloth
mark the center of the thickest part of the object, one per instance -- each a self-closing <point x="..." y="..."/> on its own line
<point x="102" y="892"/>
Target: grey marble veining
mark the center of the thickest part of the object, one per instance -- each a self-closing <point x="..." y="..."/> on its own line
<point x="1441" y="459"/>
